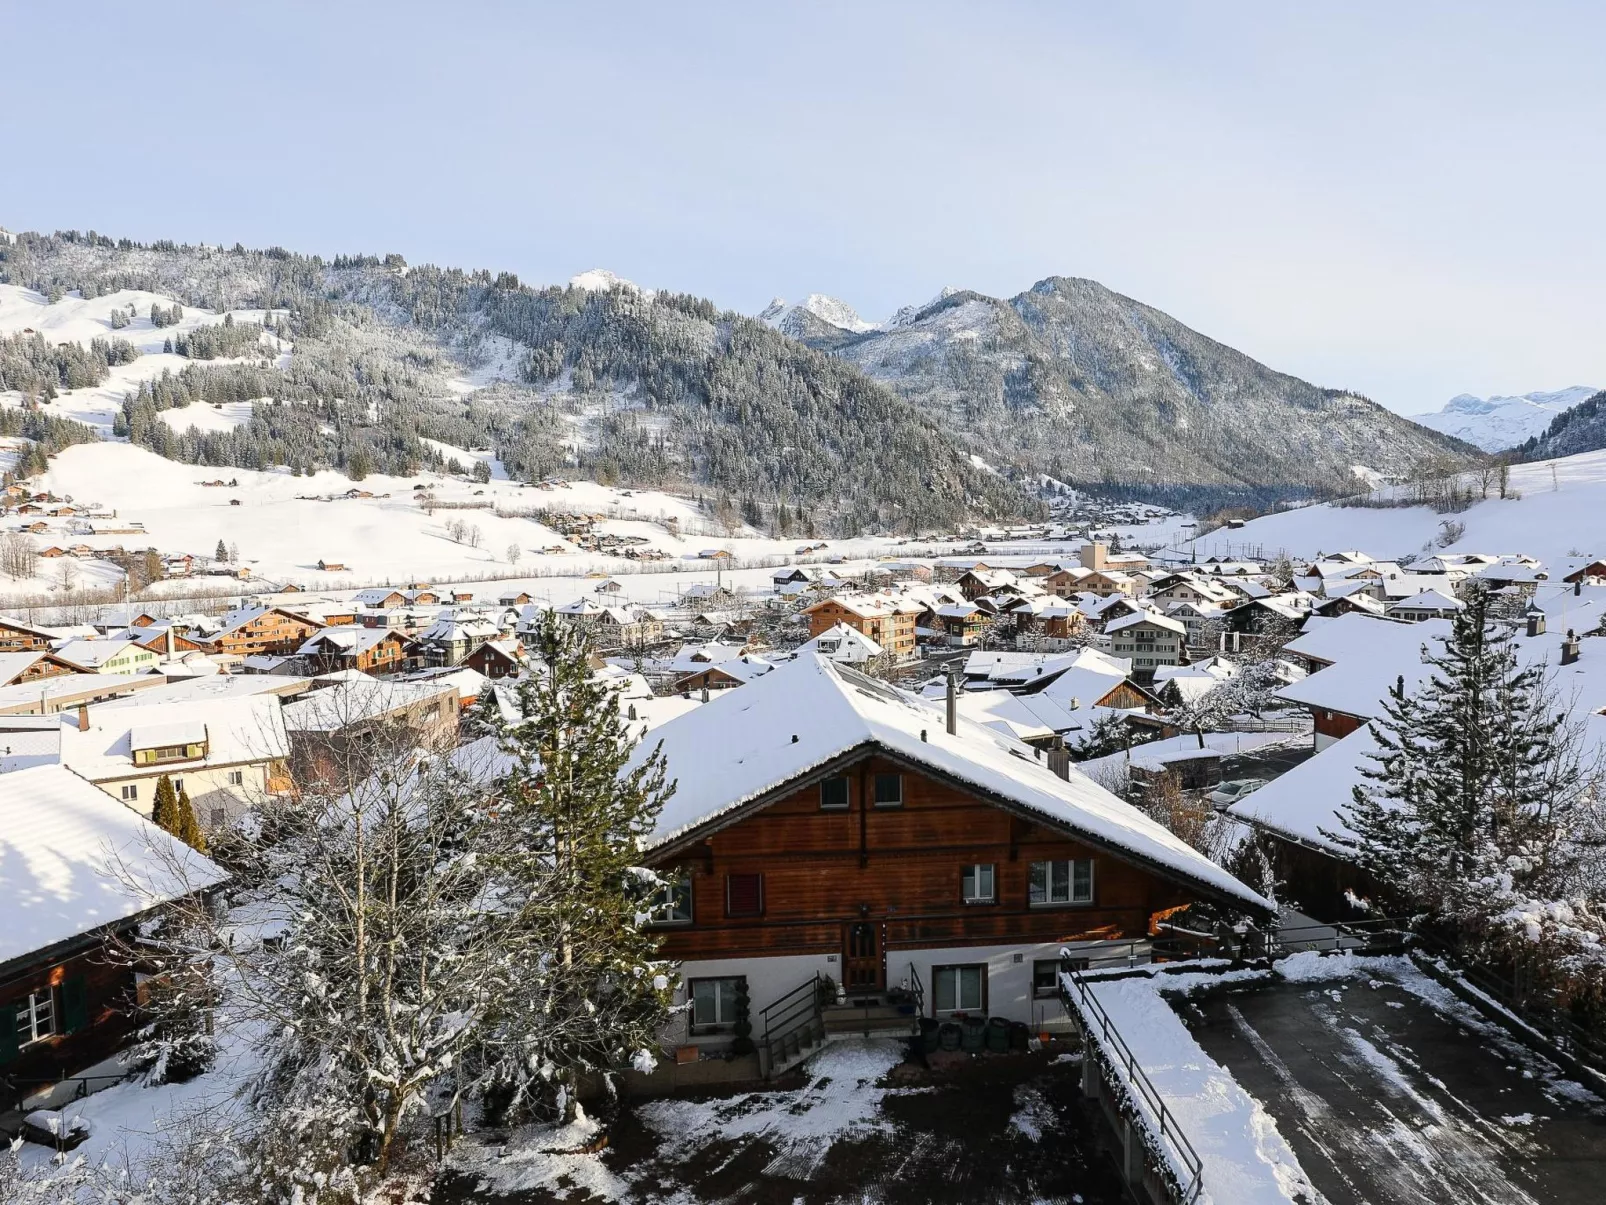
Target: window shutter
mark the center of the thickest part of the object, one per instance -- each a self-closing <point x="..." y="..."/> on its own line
<point x="744" y="894"/>
<point x="75" y="1004"/>
<point x="8" y="1033"/>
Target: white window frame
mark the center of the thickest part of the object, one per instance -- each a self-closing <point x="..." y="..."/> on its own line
<point x="38" y="1017"/>
<point x="847" y="794"/>
<point x="130" y="792"/>
<point x="1044" y="879"/>
<point x="720" y="1001"/>
<point x="959" y="973"/>
<point x="970" y="883"/>
<point x="661" y="909"/>
<point x="236" y="778"/>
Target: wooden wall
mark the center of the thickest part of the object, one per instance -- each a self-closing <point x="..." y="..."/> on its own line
<point x="899" y="867"/>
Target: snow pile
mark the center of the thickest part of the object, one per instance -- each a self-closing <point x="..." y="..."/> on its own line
<point x="538" y="1157"/>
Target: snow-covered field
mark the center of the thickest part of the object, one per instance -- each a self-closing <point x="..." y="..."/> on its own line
<point x="1562" y="511"/>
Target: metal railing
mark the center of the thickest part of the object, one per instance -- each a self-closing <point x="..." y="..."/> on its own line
<point x="790" y="1016"/>
<point x="917" y="991"/>
<point x="1182" y="1164"/>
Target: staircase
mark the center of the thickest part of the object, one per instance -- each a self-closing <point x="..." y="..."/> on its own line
<point x="800" y="1023"/>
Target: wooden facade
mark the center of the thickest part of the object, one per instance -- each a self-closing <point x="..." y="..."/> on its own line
<point x="804" y="875"/>
<point x="273" y="631"/>
<point x="16" y="638"/>
<point x="892" y="628"/>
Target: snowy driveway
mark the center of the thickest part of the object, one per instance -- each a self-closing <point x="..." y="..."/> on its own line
<point x="1393" y="1092"/>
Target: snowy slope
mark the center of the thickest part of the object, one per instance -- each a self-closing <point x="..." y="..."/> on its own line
<point x="1560" y="513"/>
<point x="1497" y="423"/>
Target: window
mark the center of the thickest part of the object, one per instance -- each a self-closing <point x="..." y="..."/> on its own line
<point x="744" y="895"/>
<point x="959" y="989"/>
<point x="1061" y="883"/>
<point x="671" y="904"/>
<point x="236" y="778"/>
<point x="217" y="818"/>
<point x="888" y="790"/>
<point x="1046" y="975"/>
<point x="36" y="1016"/>
<point x="130" y="792"/>
<point x="976" y="884"/>
<point x="834" y="794"/>
<point x="713" y="1003"/>
<point x="178" y="785"/>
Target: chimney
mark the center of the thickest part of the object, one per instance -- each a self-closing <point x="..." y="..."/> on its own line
<point x="1569" y="648"/>
<point x="1059" y="758"/>
<point x="170" y="642"/>
<point x="83" y="717"/>
<point x="1536" y="622"/>
<point x="1578" y="587"/>
<point x="953" y="702"/>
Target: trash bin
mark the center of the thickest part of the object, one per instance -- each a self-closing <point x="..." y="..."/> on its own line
<point x="998" y="1035"/>
<point x="1020" y="1035"/>
<point x="973" y="1034"/>
<point x="928" y="1034"/>
<point x="948" y="1036"/>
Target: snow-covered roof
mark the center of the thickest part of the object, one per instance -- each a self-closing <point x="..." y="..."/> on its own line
<point x="89" y="653"/>
<point x="356" y="698"/>
<point x="809" y="712"/>
<point x="1429" y="600"/>
<point x="694" y="657"/>
<point x="1148" y="617"/>
<point x="846" y="638"/>
<point x="14" y="664"/>
<point x="246" y="729"/>
<point x="350" y="639"/>
<point x="1307" y="799"/>
<point x="58" y="834"/>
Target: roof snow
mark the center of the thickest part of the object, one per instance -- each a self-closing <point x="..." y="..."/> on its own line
<point x="809" y="712"/>
<point x="58" y="837"/>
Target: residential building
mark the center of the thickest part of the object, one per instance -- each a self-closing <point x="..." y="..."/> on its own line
<point x="1149" y="640"/>
<point x="890" y="623"/>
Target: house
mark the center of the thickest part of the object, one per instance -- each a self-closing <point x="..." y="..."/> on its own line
<point x="108" y="655"/>
<point x="733" y="671"/>
<point x="962" y="623"/>
<point x="1429" y="604"/>
<point x="226" y="753"/>
<point x="518" y="598"/>
<point x="975" y="583"/>
<point x="608" y="586"/>
<point x="380" y="598"/>
<point x="825" y="824"/>
<point x="30" y="667"/>
<point x="65" y="1003"/>
<point x="331" y="729"/>
<point x="58" y="692"/>
<point x="450" y="639"/>
<point x="1107" y="583"/>
<point x="1065" y="581"/>
<point x="254" y="630"/>
<point x="890" y="624"/>
<point x="843" y="644"/>
<point x="1098" y="557"/>
<point x="332" y="566"/>
<point x="495" y="659"/>
<point x="16" y="636"/>
<point x="1149" y="640"/>
<point x="1354" y="660"/>
<point x="369" y="650"/>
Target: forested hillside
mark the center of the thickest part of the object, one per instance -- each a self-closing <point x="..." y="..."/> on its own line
<point x="1076" y="381"/>
<point x="619" y="385"/>
<point x="1581" y="429"/>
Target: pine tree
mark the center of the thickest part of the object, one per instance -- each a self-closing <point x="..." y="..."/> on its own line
<point x="1468" y="770"/>
<point x="577" y="816"/>
<point x="164" y="811"/>
<point x="189" y="828"/>
<point x="222" y="553"/>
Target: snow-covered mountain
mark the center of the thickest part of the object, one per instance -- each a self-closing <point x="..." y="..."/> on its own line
<point x="600" y="280"/>
<point x="906" y="315"/>
<point x="805" y="318"/>
<point x="1497" y="423"/>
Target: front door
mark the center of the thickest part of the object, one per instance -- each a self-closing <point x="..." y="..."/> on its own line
<point x="861" y="959"/>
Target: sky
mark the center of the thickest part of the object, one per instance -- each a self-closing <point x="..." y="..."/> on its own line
<point x="1401" y="199"/>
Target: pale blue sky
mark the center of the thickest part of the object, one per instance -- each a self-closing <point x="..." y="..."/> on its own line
<point x="1402" y="198"/>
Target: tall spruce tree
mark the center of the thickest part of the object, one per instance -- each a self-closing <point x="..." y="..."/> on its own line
<point x="164" y="809"/>
<point x="577" y="816"/>
<point x="1469" y="771"/>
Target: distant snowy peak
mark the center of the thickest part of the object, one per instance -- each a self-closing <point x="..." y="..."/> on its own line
<point x="907" y="315"/>
<point x="1497" y="423"/>
<point x="791" y="319"/>
<point x="600" y="280"/>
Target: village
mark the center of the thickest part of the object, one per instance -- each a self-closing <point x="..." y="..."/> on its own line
<point x="926" y="811"/>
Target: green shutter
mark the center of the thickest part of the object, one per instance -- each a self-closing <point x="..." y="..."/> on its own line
<point x="75" y="1004"/>
<point x="8" y="1032"/>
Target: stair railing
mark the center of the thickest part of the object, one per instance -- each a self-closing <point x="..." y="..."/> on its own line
<point x="791" y="1016"/>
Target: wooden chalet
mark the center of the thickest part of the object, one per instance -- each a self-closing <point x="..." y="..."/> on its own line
<point x="16" y="636"/>
<point x="257" y="630"/>
<point x="827" y="827"/>
<point x="67" y="1006"/>
<point x="365" y="649"/>
<point x="31" y="666"/>
<point x="891" y="624"/>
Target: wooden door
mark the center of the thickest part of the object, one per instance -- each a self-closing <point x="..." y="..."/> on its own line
<point x="861" y="958"/>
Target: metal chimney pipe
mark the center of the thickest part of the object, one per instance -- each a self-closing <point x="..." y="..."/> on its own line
<point x="953" y="702"/>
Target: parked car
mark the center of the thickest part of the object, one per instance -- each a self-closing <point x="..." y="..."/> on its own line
<point x="1230" y="792"/>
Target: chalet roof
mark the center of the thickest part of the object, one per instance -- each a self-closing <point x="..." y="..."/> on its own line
<point x="1368" y="655"/>
<point x="1428" y="600"/>
<point x="58" y="834"/>
<point x="86" y="654"/>
<point x="846" y="637"/>
<point x="245" y="729"/>
<point x="355" y="698"/>
<point x="349" y="639"/>
<point x="1146" y="617"/>
<point x="13" y="665"/>
<point x="694" y="657"/>
<point x="809" y="712"/>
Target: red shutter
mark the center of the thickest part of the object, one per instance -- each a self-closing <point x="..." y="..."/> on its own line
<point x="744" y="894"/>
